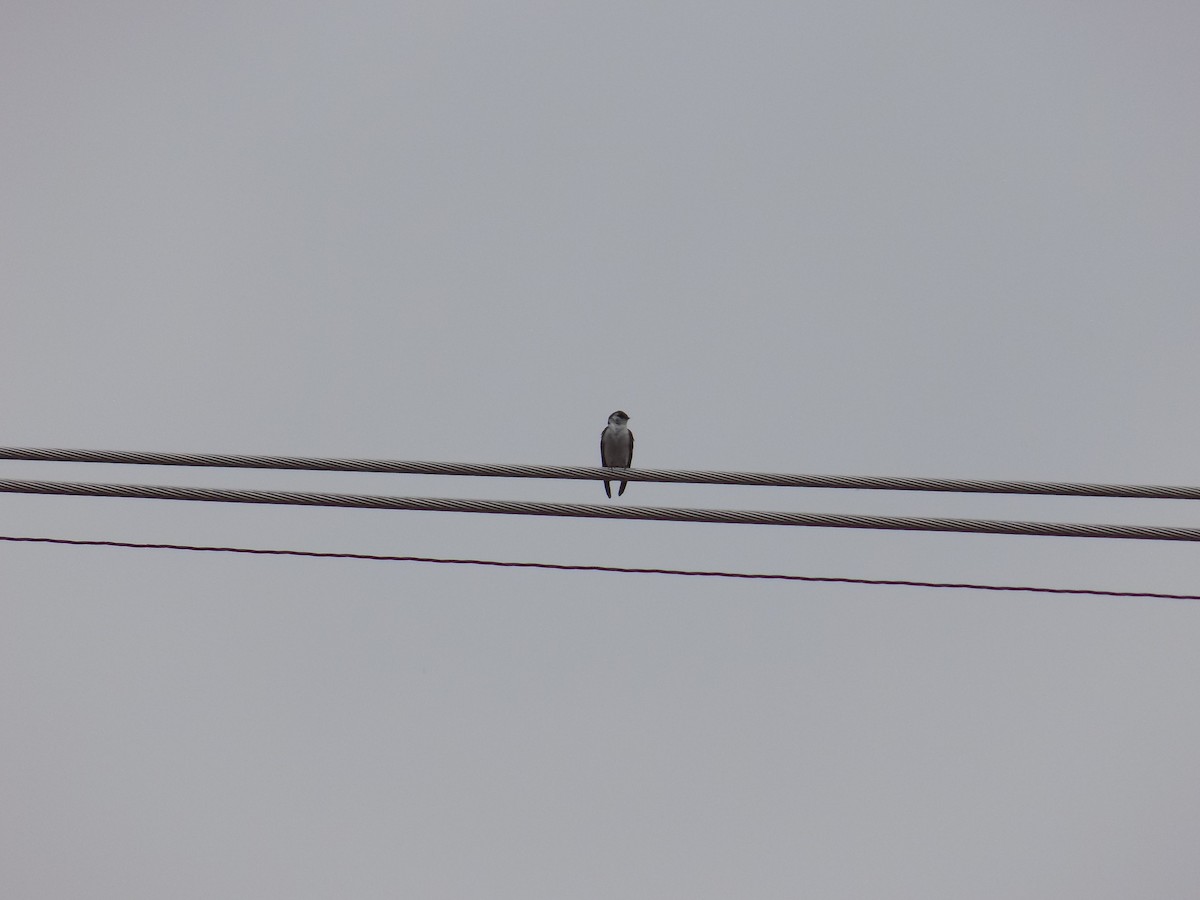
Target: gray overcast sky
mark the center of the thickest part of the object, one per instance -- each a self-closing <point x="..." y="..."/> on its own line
<point x="942" y="238"/>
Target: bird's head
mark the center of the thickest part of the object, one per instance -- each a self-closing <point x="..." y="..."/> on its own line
<point x="620" y="417"/>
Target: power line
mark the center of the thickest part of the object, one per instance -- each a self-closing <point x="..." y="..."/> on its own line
<point x="581" y="510"/>
<point x="672" y="476"/>
<point x="623" y="570"/>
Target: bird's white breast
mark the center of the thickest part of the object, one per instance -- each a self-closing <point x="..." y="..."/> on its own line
<point x="618" y="442"/>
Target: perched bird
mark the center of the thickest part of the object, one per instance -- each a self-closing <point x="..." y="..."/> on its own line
<point x="616" y="447"/>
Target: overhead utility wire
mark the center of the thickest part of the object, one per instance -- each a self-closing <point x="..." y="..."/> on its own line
<point x="580" y="510"/>
<point x="673" y="476"/>
<point x="622" y="570"/>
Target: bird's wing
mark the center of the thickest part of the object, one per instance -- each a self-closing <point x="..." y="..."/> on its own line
<point x="629" y="461"/>
<point x="603" y="448"/>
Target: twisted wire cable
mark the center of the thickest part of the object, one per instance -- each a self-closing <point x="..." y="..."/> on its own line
<point x="581" y="510"/>
<point x="670" y="476"/>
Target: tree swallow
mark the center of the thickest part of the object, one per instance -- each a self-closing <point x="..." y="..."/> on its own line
<point x="616" y="447"/>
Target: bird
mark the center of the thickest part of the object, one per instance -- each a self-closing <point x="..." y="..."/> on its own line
<point x="616" y="447"/>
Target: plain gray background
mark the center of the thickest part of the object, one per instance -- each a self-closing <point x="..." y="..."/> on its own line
<point x="940" y="238"/>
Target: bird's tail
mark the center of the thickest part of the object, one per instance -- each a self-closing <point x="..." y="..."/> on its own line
<point x="608" y="489"/>
<point x="622" y="490"/>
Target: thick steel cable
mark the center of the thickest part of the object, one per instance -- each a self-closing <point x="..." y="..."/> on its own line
<point x="581" y="510"/>
<point x="671" y="476"/>
<point x="620" y="570"/>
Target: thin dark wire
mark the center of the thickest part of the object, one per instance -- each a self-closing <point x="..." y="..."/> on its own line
<point x="671" y="476"/>
<point x="624" y="570"/>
